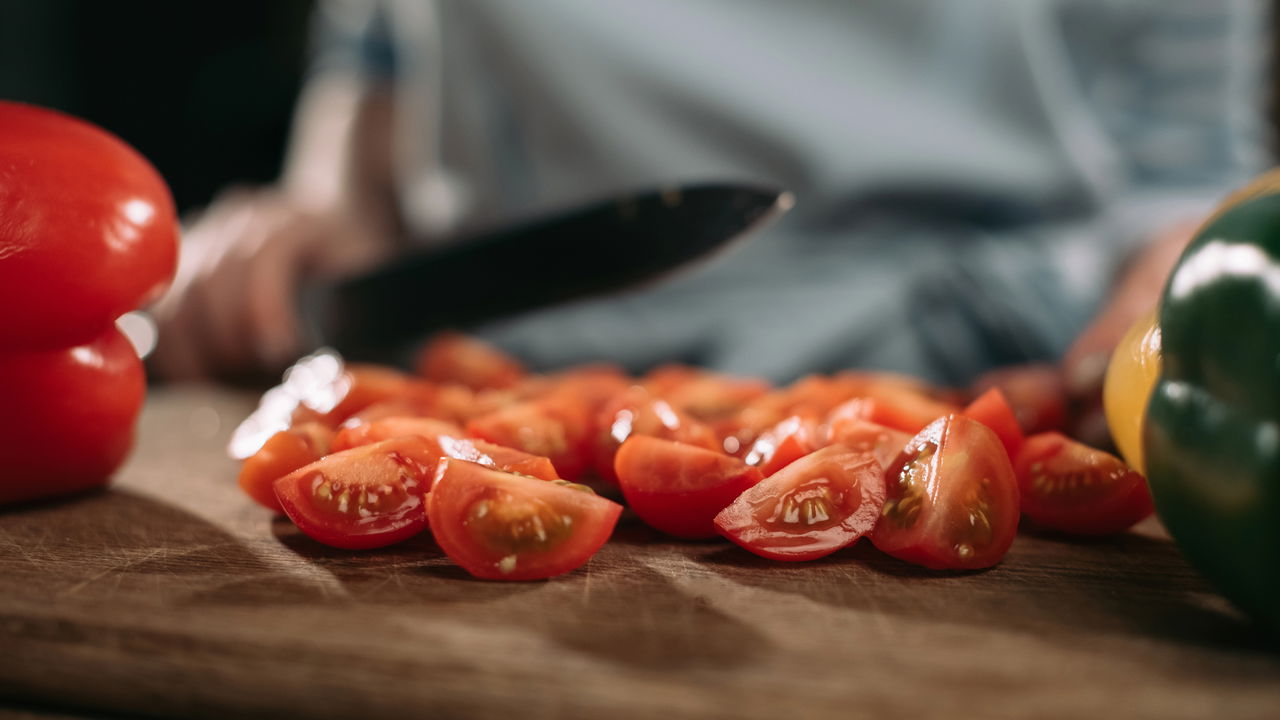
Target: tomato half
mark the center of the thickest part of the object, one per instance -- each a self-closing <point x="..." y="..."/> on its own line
<point x="993" y="410"/>
<point x="67" y="416"/>
<point x="1068" y="486"/>
<point x="811" y="508"/>
<point x="501" y="526"/>
<point x="637" y="412"/>
<point x="88" y="230"/>
<point x="283" y="453"/>
<point x="556" y="427"/>
<point x="366" y="497"/>
<point x="951" y="498"/>
<point x="452" y="357"/>
<point x="677" y="488"/>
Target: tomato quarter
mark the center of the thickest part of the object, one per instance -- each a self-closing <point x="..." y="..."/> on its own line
<point x="811" y="508"/>
<point x="365" y="497"/>
<point x="1068" y="486"/>
<point x="951" y="498"/>
<point x="677" y="488"/>
<point x="283" y="453"/>
<point x="501" y="526"/>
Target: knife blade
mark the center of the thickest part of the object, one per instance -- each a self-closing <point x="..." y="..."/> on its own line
<point x="597" y="249"/>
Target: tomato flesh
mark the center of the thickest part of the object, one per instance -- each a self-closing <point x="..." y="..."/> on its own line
<point x="1068" y="486"/>
<point x="283" y="453"/>
<point x="677" y="488"/>
<point x="951" y="498"/>
<point x="501" y="526"/>
<point x="366" y="497"/>
<point x="811" y="508"/>
<point x="993" y="410"/>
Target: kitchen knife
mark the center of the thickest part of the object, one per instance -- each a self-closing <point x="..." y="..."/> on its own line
<point x="593" y="250"/>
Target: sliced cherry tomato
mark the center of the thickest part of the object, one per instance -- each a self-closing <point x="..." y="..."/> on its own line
<point x="865" y="436"/>
<point x="677" y="488"/>
<point x="637" y="412"/>
<point x="1066" y="485"/>
<point x="444" y="440"/>
<point x="703" y="394"/>
<point x="785" y="443"/>
<point x="501" y="526"/>
<point x="1036" y="393"/>
<point x="361" y="386"/>
<point x="387" y="428"/>
<point x="952" y="499"/>
<point x="811" y="508"/>
<point x="66" y="416"/>
<point x="283" y="453"/>
<point x="900" y="408"/>
<point x="557" y="428"/>
<point x="366" y="497"/>
<point x="88" y="229"/>
<point x="991" y="409"/>
<point x="452" y="357"/>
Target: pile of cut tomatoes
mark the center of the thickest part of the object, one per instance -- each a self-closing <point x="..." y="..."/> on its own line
<point x="509" y="470"/>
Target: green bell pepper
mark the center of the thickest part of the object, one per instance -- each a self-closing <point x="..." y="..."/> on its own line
<point x="1212" y="436"/>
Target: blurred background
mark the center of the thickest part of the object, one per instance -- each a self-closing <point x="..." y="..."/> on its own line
<point x="205" y="90"/>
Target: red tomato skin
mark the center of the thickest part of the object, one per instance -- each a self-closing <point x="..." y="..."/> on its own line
<point x="865" y="436"/>
<point x="459" y="485"/>
<point x="784" y="443"/>
<point x="836" y="469"/>
<point x="964" y="448"/>
<point x="677" y="488"/>
<point x="993" y="410"/>
<point x="283" y="453"/>
<point x="88" y="229"/>
<point x="1126" y="500"/>
<point x="386" y="428"/>
<point x="555" y="427"/>
<point x="403" y="463"/>
<point x="452" y="357"/>
<point x="637" y="412"/>
<point x="67" y="416"/>
<point x="1036" y="393"/>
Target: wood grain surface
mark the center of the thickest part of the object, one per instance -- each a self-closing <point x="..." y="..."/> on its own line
<point x="171" y="594"/>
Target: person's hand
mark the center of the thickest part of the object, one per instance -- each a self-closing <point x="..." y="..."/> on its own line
<point x="232" y="310"/>
<point x="1085" y="364"/>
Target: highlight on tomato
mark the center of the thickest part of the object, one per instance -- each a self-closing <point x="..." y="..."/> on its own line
<point x="366" y="497"/>
<point x="501" y="526"/>
<point x="951" y="498"/>
<point x="1068" y="486"/>
<point x="677" y="488"/>
<point x="811" y="508"/>
<point x="635" y="411"/>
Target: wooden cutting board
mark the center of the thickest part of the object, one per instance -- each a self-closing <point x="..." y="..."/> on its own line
<point x="171" y="594"/>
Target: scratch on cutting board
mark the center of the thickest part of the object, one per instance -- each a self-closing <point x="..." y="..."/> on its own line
<point x="116" y="568"/>
<point x="22" y="550"/>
